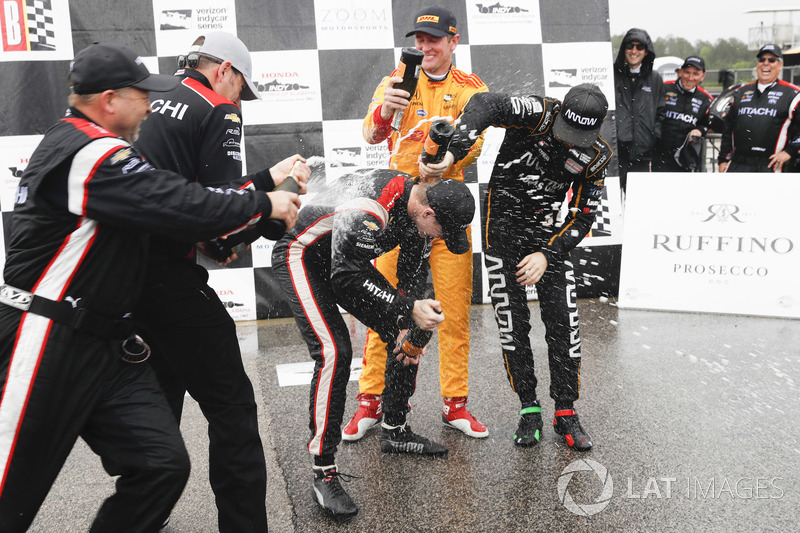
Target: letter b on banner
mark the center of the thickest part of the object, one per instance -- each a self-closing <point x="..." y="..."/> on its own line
<point x="14" y="38"/>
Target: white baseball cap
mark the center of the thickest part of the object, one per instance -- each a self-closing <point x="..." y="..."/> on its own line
<point x="228" y="47"/>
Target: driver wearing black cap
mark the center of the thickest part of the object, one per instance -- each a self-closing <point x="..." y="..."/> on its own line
<point x="326" y="262"/>
<point x="685" y="119"/>
<point x="761" y="131"/>
<point x="549" y="148"/>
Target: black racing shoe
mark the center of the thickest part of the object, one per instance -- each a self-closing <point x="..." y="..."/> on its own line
<point x="400" y="439"/>
<point x="566" y="423"/>
<point x="529" y="431"/>
<point x="330" y="494"/>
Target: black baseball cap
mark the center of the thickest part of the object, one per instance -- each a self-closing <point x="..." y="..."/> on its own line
<point x="103" y="66"/>
<point x="772" y="49"/>
<point x="434" y="20"/>
<point x="582" y="113"/>
<point x="454" y="206"/>
<point x="694" y="61"/>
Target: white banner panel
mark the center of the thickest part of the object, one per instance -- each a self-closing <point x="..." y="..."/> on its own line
<point x="236" y="290"/>
<point x="711" y="243"/>
<point x="348" y="24"/>
<point x="15" y="152"/>
<point x="569" y="64"/>
<point x="514" y="23"/>
<point x="35" y="30"/>
<point x="288" y="82"/>
<point x="346" y="150"/>
<point x="179" y="22"/>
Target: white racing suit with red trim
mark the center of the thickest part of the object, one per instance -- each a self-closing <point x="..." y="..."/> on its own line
<point x="325" y="261"/>
<point x="79" y="236"/>
<point x="533" y="175"/>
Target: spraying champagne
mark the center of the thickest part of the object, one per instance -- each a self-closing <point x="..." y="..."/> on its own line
<point x="272" y="229"/>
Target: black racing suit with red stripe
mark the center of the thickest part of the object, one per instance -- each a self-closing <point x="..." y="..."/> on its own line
<point x="79" y="236"/>
<point x="760" y="124"/>
<point x="198" y="133"/>
<point x="684" y="111"/>
<point x="324" y="262"/>
<point x="534" y="173"/>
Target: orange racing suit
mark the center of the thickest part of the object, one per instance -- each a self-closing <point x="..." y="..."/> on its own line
<point x="452" y="274"/>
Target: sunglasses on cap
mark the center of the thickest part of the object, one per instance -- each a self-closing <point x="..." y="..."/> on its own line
<point x="770" y="59"/>
<point x="631" y="46"/>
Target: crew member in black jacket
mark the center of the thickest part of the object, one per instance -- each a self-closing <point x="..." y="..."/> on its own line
<point x="196" y="131"/>
<point x="640" y="103"/>
<point x="686" y="105"/>
<point x="74" y="270"/>
<point x="549" y="148"/>
<point x="762" y="127"/>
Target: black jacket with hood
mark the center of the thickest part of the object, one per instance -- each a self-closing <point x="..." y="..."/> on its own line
<point x="640" y="99"/>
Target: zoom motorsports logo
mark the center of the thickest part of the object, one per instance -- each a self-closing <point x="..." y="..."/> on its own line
<point x="585" y="509"/>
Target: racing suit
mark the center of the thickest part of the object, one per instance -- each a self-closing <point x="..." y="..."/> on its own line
<point x="197" y="133"/>
<point x="640" y="108"/>
<point x="452" y="274"/>
<point x="760" y="124"/>
<point x="684" y="111"/>
<point x="79" y="243"/>
<point x="532" y="177"/>
<point x="326" y="262"/>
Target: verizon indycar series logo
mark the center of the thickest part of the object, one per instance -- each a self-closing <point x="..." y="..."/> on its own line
<point x="176" y="19"/>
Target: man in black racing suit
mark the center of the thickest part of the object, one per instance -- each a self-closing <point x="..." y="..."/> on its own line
<point x="326" y="262"/>
<point x="686" y="113"/>
<point x="74" y="270"/>
<point x="550" y="150"/>
<point x="196" y="131"/>
<point x="762" y="128"/>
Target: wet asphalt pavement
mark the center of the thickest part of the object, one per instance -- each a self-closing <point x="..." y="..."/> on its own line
<point x="693" y="419"/>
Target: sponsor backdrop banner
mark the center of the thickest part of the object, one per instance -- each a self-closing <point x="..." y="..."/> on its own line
<point x="316" y="63"/>
<point x="724" y="248"/>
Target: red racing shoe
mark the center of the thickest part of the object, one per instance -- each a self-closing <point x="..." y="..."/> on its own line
<point x="455" y="415"/>
<point x="369" y="413"/>
<point x="566" y="423"/>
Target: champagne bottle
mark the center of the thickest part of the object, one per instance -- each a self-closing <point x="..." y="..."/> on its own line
<point x="272" y="229"/>
<point x="409" y="68"/>
<point x="437" y="142"/>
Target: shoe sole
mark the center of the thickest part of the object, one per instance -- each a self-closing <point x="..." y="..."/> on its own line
<point x="340" y="517"/>
<point x="362" y="429"/>
<point x="465" y="427"/>
<point x="410" y="448"/>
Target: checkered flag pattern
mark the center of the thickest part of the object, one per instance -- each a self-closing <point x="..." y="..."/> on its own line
<point x="41" y="25"/>
<point x="316" y="64"/>
<point x="602" y="224"/>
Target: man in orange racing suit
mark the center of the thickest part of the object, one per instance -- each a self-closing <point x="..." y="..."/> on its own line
<point x="442" y="92"/>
